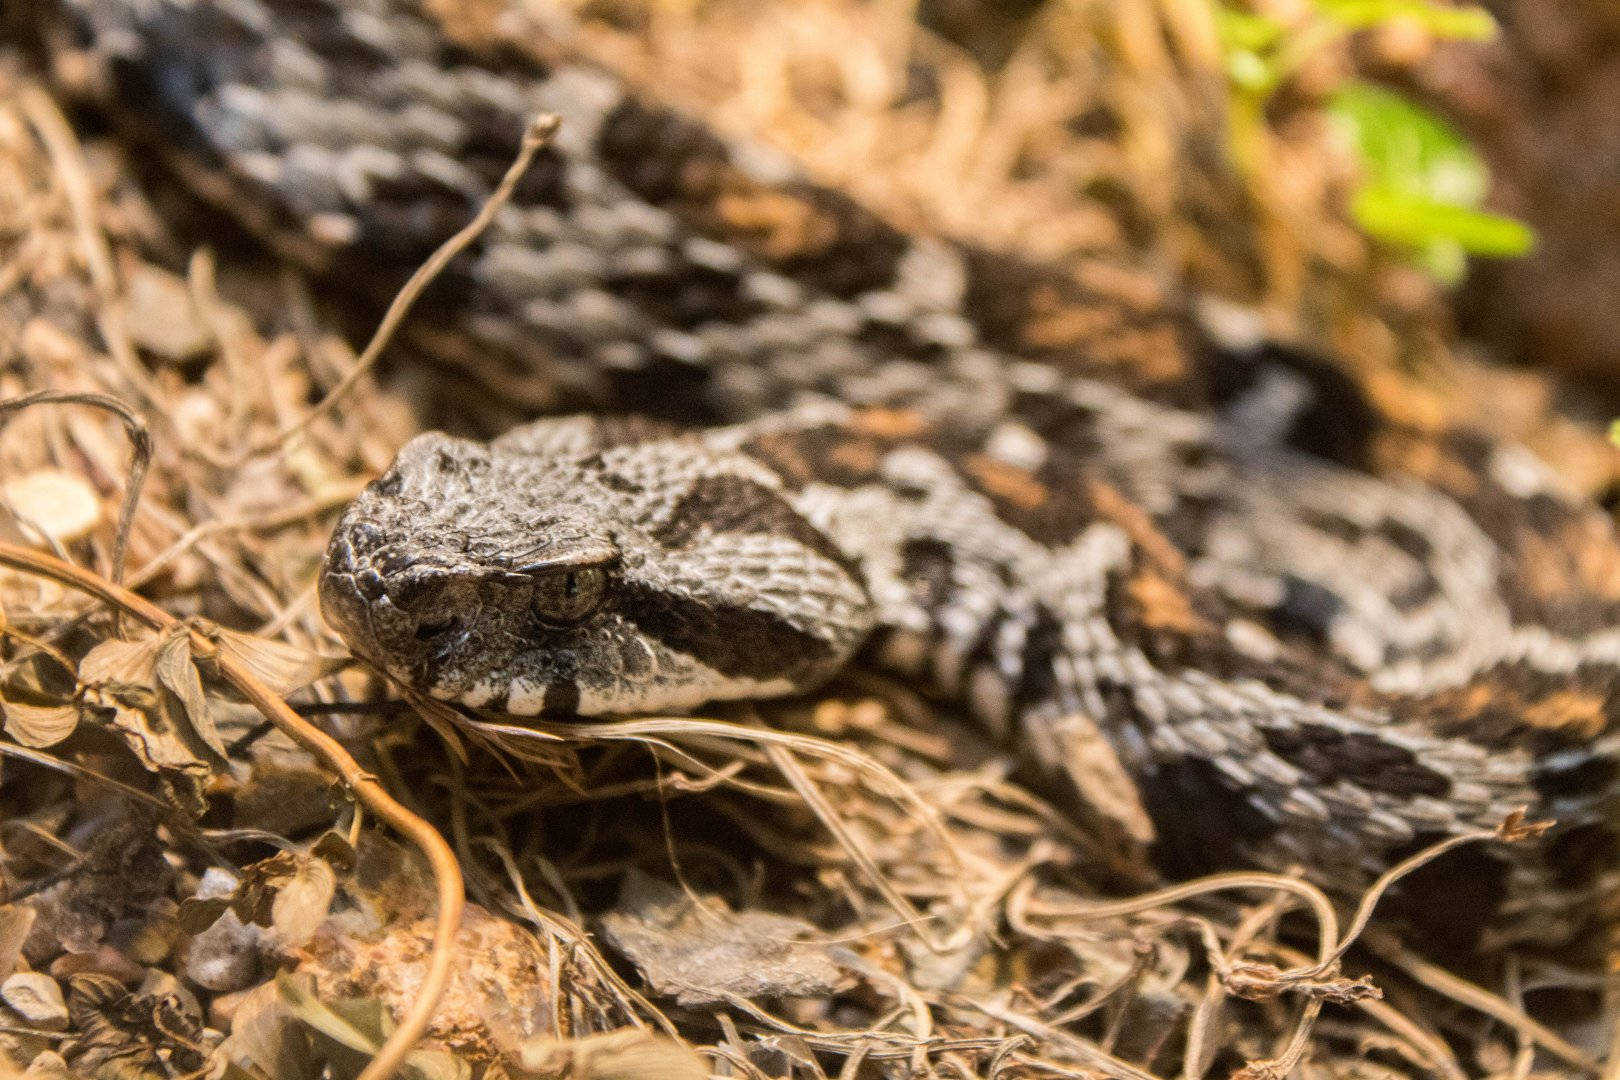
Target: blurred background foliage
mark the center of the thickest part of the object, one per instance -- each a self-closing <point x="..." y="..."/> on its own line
<point x="1421" y="182"/>
<point x="1430" y="188"/>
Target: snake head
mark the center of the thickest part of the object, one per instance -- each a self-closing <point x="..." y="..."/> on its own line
<point x="566" y="573"/>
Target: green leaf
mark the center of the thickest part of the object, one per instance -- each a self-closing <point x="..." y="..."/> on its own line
<point x="1422" y="183"/>
<point x="1399" y="218"/>
<point x="1460" y="23"/>
<point x="1247" y="45"/>
<point x="1404" y="147"/>
<point x="1245" y="30"/>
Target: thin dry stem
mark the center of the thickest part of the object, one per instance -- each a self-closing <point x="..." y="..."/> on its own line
<point x="1509" y="830"/>
<point x="1317" y="900"/>
<point x="697" y="729"/>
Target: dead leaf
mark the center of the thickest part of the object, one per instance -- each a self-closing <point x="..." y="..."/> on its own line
<point x="53" y="504"/>
<point x="626" y="1054"/>
<point x="161" y="316"/>
<point x="302" y="901"/>
<point x="256" y="895"/>
<point x="702" y="954"/>
<point x="121" y="677"/>
<point x="120" y="662"/>
<point x="280" y="666"/>
<point x="335" y="848"/>
<point x="198" y="913"/>
<point x="38" y="726"/>
<point x="289" y="893"/>
<point x="178" y="673"/>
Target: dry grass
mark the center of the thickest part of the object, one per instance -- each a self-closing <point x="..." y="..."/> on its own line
<point x="861" y="883"/>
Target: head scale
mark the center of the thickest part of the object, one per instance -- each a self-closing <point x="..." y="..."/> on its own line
<point x="558" y="571"/>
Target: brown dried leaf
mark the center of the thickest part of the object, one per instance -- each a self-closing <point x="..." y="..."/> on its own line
<point x="265" y="1036"/>
<point x="60" y="505"/>
<point x="198" y="913"/>
<point x="626" y="1054"/>
<point x="178" y="673"/>
<point x="703" y="955"/>
<point x="289" y="893"/>
<point x="302" y="901"/>
<point x="335" y="848"/>
<point x="161" y="316"/>
<point x="38" y="726"/>
<point x="256" y="895"/>
<point x="121" y="676"/>
<point x="150" y="732"/>
<point x="115" y="662"/>
<point x="280" y="666"/>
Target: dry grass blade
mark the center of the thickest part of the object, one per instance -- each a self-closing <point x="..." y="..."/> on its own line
<point x="51" y="761"/>
<point x="446" y="871"/>
<point x="1431" y="1050"/>
<point x="1475" y="997"/>
<point x="1315" y="898"/>
<point x="1512" y="829"/>
<point x="813" y="798"/>
<point x="654" y="728"/>
<point x="73" y="174"/>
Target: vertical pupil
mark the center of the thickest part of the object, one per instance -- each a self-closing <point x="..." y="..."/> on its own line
<point x="566" y="595"/>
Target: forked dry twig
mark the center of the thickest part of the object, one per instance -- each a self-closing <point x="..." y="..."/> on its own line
<point x="540" y="132"/>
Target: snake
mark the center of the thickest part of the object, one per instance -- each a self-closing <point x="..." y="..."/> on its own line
<point x="788" y="437"/>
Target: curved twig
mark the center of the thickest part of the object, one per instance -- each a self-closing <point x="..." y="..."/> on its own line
<point x="366" y="789"/>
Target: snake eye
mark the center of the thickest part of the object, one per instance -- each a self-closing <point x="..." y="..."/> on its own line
<point x="567" y="596"/>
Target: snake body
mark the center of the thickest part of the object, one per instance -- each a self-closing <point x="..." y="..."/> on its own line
<point x="1313" y="635"/>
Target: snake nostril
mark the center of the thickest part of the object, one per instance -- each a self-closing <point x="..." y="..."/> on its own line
<point x="370" y="585"/>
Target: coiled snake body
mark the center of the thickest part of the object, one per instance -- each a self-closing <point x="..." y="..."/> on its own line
<point x="1312" y="635"/>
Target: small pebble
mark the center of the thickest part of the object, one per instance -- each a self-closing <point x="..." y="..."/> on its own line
<point x="37" y="998"/>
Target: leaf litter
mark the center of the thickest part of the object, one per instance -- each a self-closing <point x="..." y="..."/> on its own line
<point x="195" y="885"/>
